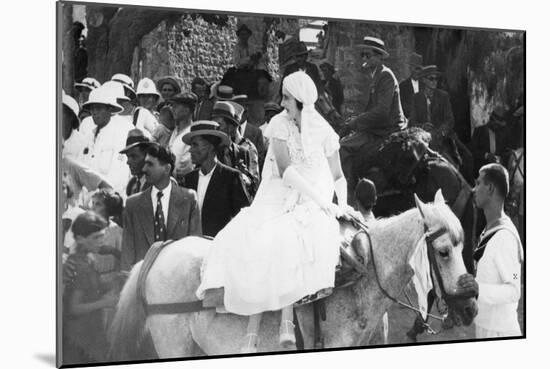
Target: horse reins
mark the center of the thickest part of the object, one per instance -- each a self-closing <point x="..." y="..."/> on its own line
<point x="430" y="236"/>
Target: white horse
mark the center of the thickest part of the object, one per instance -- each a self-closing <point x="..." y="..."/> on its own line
<point x="352" y="313"/>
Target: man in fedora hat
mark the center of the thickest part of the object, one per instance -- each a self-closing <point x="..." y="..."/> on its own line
<point x="299" y="55"/>
<point x="490" y="141"/>
<point x="243" y="56"/>
<point x="183" y="106"/>
<point x="164" y="211"/>
<point x="108" y="137"/>
<point x="135" y="151"/>
<point x="432" y="111"/>
<point x="220" y="190"/>
<point x="411" y="86"/>
<point x="383" y="114"/>
<point x="240" y="154"/>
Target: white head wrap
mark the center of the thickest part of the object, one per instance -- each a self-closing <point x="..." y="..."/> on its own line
<point x="303" y="89"/>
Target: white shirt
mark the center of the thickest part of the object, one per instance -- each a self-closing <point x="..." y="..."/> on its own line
<point x="74" y="146"/>
<point x="164" y="200"/>
<point x="415" y="85"/>
<point x="181" y="151"/>
<point x="146" y="121"/>
<point x="104" y="154"/>
<point x="499" y="279"/>
<point x="202" y="185"/>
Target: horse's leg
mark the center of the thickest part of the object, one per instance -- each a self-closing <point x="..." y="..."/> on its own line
<point x="171" y="335"/>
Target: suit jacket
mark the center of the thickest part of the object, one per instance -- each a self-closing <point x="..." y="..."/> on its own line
<point x="131" y="188"/>
<point x="406" y="91"/>
<point x="441" y="112"/>
<point x="203" y="110"/>
<point x="384" y="114"/>
<point x="481" y="145"/>
<point x="255" y="135"/>
<point x="224" y="197"/>
<point x="138" y="218"/>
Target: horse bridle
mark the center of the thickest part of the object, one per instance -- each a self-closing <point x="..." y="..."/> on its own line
<point x="430" y="237"/>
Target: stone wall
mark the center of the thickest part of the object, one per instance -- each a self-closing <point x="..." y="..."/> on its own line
<point x="191" y="48"/>
<point x="187" y="49"/>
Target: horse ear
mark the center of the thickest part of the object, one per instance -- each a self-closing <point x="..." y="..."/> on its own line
<point x="420" y="205"/>
<point x="439" y="199"/>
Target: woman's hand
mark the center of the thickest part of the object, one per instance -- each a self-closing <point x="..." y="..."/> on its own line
<point x="331" y="209"/>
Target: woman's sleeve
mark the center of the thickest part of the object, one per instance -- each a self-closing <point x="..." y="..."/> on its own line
<point x="82" y="279"/>
<point x="278" y="128"/>
<point x="331" y="143"/>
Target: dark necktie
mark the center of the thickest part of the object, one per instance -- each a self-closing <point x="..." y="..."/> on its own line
<point x="160" y="228"/>
<point x="137" y="187"/>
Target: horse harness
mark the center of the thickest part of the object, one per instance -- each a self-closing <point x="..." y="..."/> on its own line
<point x="164" y="308"/>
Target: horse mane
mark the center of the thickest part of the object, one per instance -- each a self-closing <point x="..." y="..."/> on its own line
<point x="437" y="215"/>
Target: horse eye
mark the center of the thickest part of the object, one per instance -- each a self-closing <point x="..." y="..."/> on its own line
<point x="444" y="254"/>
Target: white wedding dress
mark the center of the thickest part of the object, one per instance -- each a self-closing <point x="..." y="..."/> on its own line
<point x="283" y="247"/>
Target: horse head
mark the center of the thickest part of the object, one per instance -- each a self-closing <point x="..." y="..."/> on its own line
<point x="444" y="240"/>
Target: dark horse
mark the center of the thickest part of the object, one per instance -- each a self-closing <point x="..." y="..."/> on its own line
<point x="404" y="165"/>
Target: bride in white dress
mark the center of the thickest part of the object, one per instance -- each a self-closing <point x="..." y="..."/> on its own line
<point x="286" y="244"/>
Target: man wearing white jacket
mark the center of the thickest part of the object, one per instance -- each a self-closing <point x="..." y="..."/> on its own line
<point x="499" y="255"/>
<point x="108" y="138"/>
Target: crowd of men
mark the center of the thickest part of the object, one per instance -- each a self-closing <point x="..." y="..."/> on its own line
<point x="171" y="163"/>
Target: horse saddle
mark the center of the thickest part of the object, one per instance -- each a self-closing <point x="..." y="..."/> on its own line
<point x="350" y="268"/>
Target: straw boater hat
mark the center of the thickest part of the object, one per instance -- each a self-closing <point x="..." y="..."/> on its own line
<point x="147" y="87"/>
<point x="205" y="128"/>
<point x="89" y="83"/>
<point x="171" y="81"/>
<point x="226" y="109"/>
<point x="239" y="110"/>
<point x="225" y="93"/>
<point x="429" y="70"/>
<point x="103" y="96"/>
<point x="135" y="138"/>
<point x="127" y="82"/>
<point x="375" y="44"/>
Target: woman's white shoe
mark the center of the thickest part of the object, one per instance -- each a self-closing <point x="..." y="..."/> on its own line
<point x="251" y="344"/>
<point x="287" y="339"/>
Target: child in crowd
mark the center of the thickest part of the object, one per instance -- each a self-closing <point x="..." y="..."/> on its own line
<point x="84" y="298"/>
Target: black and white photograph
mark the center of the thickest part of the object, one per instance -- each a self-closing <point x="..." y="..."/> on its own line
<point x="235" y="183"/>
<point x="274" y="184"/>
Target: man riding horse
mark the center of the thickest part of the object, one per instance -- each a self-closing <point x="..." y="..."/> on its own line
<point x="383" y="114"/>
